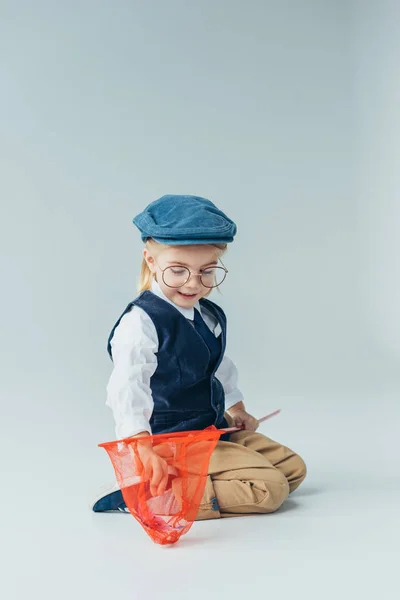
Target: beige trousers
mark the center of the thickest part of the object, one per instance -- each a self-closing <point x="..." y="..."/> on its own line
<point x="250" y="474"/>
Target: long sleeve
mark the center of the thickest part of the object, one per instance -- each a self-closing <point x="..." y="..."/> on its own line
<point x="134" y="347"/>
<point x="227" y="373"/>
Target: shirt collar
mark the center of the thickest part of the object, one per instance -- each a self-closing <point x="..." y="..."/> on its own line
<point x="188" y="313"/>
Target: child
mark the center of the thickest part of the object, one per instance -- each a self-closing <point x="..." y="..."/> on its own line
<point x="171" y="372"/>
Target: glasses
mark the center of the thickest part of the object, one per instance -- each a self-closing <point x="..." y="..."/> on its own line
<point x="177" y="276"/>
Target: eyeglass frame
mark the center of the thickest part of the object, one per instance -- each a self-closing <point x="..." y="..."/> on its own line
<point x="190" y="275"/>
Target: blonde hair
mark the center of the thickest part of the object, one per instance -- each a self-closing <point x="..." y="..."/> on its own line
<point x="146" y="276"/>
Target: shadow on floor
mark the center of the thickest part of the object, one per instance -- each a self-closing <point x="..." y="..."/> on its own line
<point x="307" y="491"/>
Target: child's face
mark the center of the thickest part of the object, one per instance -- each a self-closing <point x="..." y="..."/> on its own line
<point x="195" y="258"/>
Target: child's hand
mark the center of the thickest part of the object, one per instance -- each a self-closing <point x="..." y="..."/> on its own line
<point x="156" y="471"/>
<point x="155" y="468"/>
<point x="244" y="420"/>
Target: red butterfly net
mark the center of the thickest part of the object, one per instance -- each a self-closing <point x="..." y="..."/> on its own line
<point x="165" y="517"/>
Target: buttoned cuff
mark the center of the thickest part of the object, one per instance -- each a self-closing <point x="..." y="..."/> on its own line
<point x="209" y="508"/>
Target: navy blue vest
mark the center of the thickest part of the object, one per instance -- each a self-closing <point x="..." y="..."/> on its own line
<point x="186" y="394"/>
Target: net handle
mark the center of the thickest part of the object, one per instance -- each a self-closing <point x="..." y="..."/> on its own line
<point x="232" y="429"/>
<point x="185" y="433"/>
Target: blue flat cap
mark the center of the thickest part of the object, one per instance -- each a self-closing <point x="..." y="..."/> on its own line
<point x="185" y="220"/>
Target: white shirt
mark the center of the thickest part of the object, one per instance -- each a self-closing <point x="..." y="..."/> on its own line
<point x="134" y="348"/>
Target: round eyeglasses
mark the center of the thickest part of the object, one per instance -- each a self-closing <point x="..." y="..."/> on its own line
<point x="177" y="276"/>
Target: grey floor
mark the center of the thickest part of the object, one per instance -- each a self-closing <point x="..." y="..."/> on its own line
<point x="337" y="536"/>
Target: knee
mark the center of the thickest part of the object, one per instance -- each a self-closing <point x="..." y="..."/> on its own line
<point x="301" y="468"/>
<point x="298" y="472"/>
<point x="278" y="489"/>
<point x="264" y="493"/>
<point x="275" y="491"/>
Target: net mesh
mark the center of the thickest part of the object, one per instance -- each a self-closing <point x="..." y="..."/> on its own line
<point x="164" y="516"/>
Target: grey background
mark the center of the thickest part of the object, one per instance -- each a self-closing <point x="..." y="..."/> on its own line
<point x="286" y="115"/>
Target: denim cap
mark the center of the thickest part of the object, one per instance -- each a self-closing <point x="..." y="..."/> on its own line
<point x="185" y="220"/>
